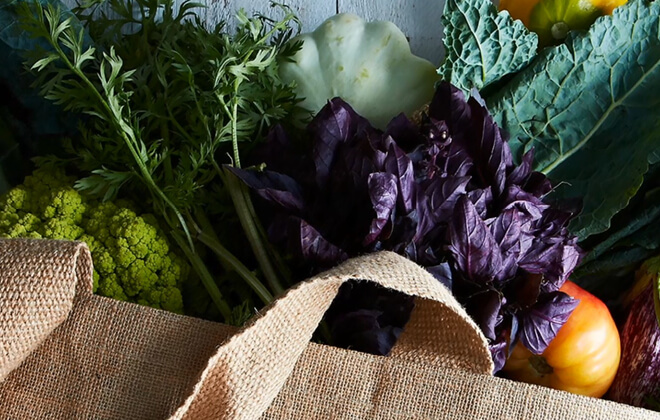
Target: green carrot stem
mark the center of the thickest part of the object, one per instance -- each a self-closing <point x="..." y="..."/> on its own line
<point x="235" y="264"/>
<point x="240" y="198"/>
<point x="204" y="275"/>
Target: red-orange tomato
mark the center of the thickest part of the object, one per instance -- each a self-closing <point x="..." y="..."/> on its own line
<point x="582" y="359"/>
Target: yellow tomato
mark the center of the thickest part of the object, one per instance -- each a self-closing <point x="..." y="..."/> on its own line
<point x="582" y="359"/>
<point x="552" y="19"/>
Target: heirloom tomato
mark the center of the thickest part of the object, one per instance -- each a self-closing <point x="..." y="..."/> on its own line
<point x="584" y="356"/>
<point x="552" y="19"/>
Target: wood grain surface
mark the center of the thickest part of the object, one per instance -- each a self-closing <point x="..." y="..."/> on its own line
<point x="418" y="19"/>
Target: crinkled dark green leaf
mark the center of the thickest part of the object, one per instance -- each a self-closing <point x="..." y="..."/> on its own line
<point x="482" y="45"/>
<point x="590" y="109"/>
<point x="654" y="157"/>
<point x="634" y="236"/>
<point x="637" y="225"/>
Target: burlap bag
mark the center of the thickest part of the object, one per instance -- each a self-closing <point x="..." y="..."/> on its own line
<point x="67" y="354"/>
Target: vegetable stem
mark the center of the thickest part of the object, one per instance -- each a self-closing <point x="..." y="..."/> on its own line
<point x="281" y="267"/>
<point x="204" y="274"/>
<point x="234" y="121"/>
<point x="240" y="198"/>
<point x="111" y="115"/>
<point x="222" y="253"/>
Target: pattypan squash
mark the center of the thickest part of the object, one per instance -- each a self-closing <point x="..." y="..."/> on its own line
<point x="367" y="64"/>
<point x="553" y="19"/>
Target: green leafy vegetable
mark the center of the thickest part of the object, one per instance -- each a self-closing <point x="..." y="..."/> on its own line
<point x="481" y="45"/>
<point x="633" y="237"/>
<point x="591" y="111"/>
<point x="654" y="157"/>
<point x="168" y="103"/>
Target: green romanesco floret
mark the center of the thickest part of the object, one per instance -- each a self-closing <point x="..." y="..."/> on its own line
<point x="132" y="258"/>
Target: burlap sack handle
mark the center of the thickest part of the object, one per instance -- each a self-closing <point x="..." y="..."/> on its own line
<point x="38" y="284"/>
<point x="245" y="375"/>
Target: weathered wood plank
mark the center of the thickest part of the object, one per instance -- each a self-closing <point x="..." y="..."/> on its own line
<point x="310" y="12"/>
<point x="418" y="19"/>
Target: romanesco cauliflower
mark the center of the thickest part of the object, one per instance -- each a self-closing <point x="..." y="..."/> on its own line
<point x="132" y="259"/>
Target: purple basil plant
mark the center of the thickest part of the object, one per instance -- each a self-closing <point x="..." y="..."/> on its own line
<point x="445" y="194"/>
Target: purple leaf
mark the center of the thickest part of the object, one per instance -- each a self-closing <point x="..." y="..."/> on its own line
<point x="424" y="218"/>
<point x="442" y="272"/>
<point x="506" y="229"/>
<point x="449" y="105"/>
<point x="484" y="307"/>
<point x="531" y="208"/>
<point x="474" y="250"/>
<point x="514" y="336"/>
<point x="525" y="289"/>
<point x="458" y="161"/>
<point x="367" y="317"/>
<point x="430" y="157"/>
<point x="538" y="184"/>
<point x="554" y="223"/>
<point x="540" y="256"/>
<point x="443" y="193"/>
<point x="273" y="187"/>
<point x="555" y="261"/>
<point x="335" y="124"/>
<point x="355" y="163"/>
<point x="492" y="155"/>
<point x="481" y="198"/>
<point x="521" y="173"/>
<point x="405" y="131"/>
<point x="315" y="247"/>
<point x="360" y="330"/>
<point x="498" y="351"/>
<point x="542" y="322"/>
<point x="438" y="133"/>
<point x="383" y="193"/>
<point x="280" y="155"/>
<point x="560" y="270"/>
<point x="400" y="166"/>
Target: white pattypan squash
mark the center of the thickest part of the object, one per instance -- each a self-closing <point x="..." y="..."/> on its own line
<point x="367" y="64"/>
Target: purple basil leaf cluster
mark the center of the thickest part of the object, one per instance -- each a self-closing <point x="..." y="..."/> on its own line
<point x="444" y="193"/>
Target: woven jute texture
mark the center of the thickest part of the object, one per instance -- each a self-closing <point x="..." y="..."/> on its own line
<point x="36" y="295"/>
<point x="88" y="357"/>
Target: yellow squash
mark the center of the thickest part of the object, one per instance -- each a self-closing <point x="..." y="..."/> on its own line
<point x="553" y="19"/>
